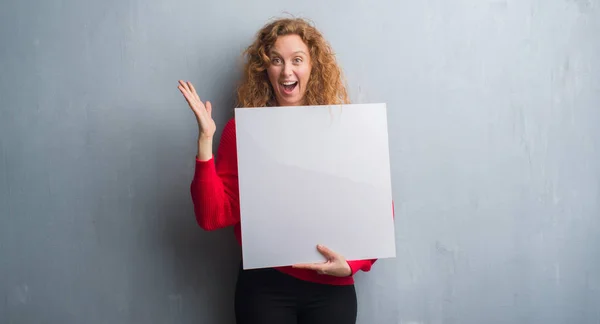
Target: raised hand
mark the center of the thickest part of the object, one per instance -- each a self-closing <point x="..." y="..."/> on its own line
<point x="335" y="265"/>
<point x="203" y="112"/>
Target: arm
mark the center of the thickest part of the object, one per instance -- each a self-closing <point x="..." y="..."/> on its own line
<point x="336" y="264"/>
<point x="214" y="188"/>
<point x="364" y="265"/>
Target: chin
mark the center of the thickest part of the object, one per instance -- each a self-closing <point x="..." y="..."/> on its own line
<point x="290" y="102"/>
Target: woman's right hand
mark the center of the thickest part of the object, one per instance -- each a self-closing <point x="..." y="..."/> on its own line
<point x="203" y="112"/>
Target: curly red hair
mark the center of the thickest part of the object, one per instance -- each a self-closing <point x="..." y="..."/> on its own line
<point x="325" y="85"/>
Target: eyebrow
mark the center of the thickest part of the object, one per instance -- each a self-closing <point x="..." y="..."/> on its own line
<point x="296" y="52"/>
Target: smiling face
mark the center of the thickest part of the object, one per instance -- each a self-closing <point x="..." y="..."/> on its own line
<point x="289" y="70"/>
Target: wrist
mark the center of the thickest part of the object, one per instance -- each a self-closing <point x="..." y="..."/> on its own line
<point x="205" y="148"/>
<point x="205" y="139"/>
<point x="348" y="269"/>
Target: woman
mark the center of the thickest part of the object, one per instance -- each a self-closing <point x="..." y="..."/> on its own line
<point x="289" y="64"/>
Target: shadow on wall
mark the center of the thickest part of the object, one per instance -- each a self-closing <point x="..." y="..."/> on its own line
<point x="205" y="263"/>
<point x="197" y="270"/>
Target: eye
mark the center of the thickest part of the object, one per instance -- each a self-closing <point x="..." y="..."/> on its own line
<point x="298" y="60"/>
<point x="276" y="60"/>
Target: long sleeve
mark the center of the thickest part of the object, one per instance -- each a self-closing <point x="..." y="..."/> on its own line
<point x="215" y="188"/>
<point x="364" y="265"/>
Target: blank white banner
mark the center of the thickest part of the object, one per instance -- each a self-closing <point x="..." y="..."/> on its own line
<point x="314" y="175"/>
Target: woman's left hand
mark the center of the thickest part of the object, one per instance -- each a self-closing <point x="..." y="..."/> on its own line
<point x="335" y="265"/>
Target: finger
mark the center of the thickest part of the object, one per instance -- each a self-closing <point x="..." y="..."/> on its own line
<point x="192" y="93"/>
<point x="199" y="112"/>
<point x="325" y="251"/>
<point x="182" y="88"/>
<point x="188" y="96"/>
<point x="209" y="108"/>
<point x="184" y="92"/>
<point x="184" y="85"/>
<point x="193" y="90"/>
<point x="310" y="266"/>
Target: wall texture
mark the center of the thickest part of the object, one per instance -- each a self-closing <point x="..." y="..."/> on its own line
<point x="494" y="107"/>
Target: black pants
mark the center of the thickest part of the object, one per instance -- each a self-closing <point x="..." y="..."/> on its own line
<point x="267" y="296"/>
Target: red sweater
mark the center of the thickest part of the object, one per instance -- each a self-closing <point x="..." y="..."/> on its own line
<point x="215" y="195"/>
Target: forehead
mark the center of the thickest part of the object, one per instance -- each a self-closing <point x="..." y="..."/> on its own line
<point x="289" y="44"/>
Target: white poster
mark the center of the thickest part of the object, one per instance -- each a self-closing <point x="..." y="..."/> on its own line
<point x="314" y="175"/>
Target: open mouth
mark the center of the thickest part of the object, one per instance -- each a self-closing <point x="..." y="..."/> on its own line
<point x="288" y="87"/>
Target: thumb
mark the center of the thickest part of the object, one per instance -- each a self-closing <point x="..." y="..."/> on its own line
<point x="330" y="255"/>
<point x="209" y="108"/>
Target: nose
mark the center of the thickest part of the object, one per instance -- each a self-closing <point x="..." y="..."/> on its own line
<point x="287" y="70"/>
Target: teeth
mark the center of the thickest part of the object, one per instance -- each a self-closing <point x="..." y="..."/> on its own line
<point x="289" y="83"/>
